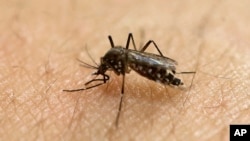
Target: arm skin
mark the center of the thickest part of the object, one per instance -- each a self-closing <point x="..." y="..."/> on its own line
<point x="39" y="45"/>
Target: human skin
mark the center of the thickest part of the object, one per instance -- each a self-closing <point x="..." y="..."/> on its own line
<point x="40" y="41"/>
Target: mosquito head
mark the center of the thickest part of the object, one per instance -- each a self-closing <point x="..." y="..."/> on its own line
<point x="101" y="69"/>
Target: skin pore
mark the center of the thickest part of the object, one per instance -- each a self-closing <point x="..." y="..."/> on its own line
<point x="40" y="42"/>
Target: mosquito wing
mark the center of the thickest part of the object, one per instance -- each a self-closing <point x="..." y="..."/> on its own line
<point x="151" y="59"/>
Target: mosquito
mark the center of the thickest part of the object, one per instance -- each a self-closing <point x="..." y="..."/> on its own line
<point x="121" y="60"/>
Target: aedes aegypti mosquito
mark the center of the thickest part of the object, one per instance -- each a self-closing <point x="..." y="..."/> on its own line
<point x="121" y="60"/>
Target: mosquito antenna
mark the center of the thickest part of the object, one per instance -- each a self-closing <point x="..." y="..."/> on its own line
<point x="86" y="65"/>
<point x="86" y="48"/>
